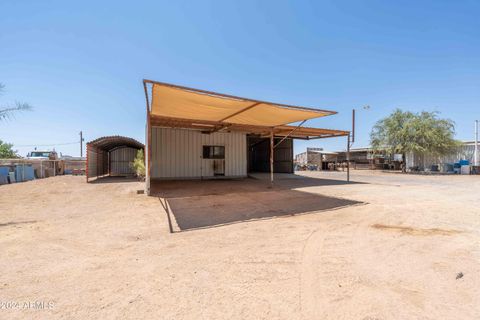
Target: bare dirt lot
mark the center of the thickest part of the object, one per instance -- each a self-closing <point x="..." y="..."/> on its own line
<point x="388" y="247"/>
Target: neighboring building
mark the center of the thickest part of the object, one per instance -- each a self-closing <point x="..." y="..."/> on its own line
<point x="421" y="162"/>
<point x="197" y="134"/>
<point x="358" y="156"/>
<point x="316" y="159"/>
<point x="366" y="158"/>
<point x="312" y="156"/>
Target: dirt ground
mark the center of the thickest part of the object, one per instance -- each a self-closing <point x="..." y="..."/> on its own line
<point x="390" y="246"/>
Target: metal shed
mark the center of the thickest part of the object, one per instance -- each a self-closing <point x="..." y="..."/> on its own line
<point x="199" y="134"/>
<point x="193" y="133"/>
<point x="111" y="156"/>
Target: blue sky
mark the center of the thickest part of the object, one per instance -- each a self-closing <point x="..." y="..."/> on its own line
<point x="80" y="63"/>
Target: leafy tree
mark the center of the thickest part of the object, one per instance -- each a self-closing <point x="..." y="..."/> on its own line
<point x="434" y="136"/>
<point x="138" y="164"/>
<point x="6" y="151"/>
<point x="7" y="111"/>
<point x="421" y="133"/>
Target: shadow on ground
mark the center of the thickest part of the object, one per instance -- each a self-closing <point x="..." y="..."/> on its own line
<point x="212" y="203"/>
<point x="109" y="179"/>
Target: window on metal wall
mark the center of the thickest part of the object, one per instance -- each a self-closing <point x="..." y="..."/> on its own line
<point x="213" y="152"/>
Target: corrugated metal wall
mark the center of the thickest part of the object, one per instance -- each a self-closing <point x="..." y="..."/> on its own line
<point x="120" y="161"/>
<point x="96" y="166"/>
<point x="283" y="156"/>
<point x="464" y="152"/>
<point x="259" y="153"/>
<point x="177" y="153"/>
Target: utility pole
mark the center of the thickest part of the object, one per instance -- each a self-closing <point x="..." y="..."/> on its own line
<point x="475" y="158"/>
<point x="350" y="141"/>
<point x="81" y="144"/>
<point x="348" y="158"/>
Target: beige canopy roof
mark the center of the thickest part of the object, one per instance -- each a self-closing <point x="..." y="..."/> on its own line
<point x="185" y="103"/>
<point x="177" y="106"/>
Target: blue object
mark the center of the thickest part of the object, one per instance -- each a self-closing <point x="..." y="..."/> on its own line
<point x="3" y="180"/>
<point x="464" y="163"/>
<point x="24" y="173"/>
<point x="4" y="171"/>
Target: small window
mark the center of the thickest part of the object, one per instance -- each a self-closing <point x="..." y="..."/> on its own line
<point x="213" y="152"/>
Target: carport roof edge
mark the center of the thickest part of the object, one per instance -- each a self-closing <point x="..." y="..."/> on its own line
<point x="108" y="143"/>
<point x="173" y="101"/>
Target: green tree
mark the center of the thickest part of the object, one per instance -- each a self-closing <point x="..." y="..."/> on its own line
<point x="420" y="133"/>
<point x="7" y="111"/>
<point x="138" y="164"/>
<point x="434" y="136"/>
<point x="6" y="151"/>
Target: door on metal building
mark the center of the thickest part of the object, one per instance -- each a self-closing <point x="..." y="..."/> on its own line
<point x="214" y="161"/>
<point x="258" y="155"/>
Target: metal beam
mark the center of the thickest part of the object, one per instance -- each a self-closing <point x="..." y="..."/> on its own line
<point x="329" y="136"/>
<point x="271" y="157"/>
<point x="348" y="158"/>
<point x="148" y="142"/>
<point x="148" y="154"/>
<point x="475" y="161"/>
<point x="209" y="125"/>
<point x="295" y="129"/>
<point x="240" y="111"/>
<point x="353" y="126"/>
<point x="219" y="128"/>
<point x="146" y="95"/>
<point x="182" y="121"/>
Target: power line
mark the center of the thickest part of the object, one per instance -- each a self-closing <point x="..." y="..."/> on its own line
<point x="45" y="145"/>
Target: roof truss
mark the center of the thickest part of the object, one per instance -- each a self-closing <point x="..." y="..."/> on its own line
<point x="287" y="131"/>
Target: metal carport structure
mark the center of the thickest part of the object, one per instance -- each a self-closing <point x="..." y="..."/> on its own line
<point x="111" y="155"/>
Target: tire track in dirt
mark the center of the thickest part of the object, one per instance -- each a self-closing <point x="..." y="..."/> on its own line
<point x="327" y="275"/>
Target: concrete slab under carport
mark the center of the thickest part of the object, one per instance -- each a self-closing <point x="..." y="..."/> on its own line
<point x="195" y="204"/>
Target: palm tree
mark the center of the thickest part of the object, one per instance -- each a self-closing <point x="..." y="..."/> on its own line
<point x="7" y="112"/>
